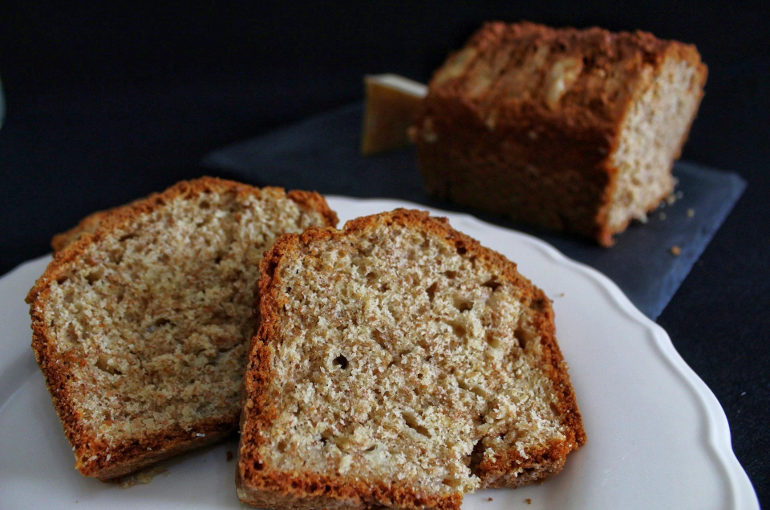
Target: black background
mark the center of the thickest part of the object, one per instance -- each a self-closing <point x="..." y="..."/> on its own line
<point x="110" y="101"/>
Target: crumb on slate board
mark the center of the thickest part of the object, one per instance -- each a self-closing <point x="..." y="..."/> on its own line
<point x="675" y="250"/>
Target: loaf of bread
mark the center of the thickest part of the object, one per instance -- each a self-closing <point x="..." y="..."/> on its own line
<point x="399" y="364"/>
<point x="141" y="324"/>
<point x="572" y="130"/>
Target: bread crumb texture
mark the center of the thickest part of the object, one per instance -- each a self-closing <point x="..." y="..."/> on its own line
<point x="650" y="139"/>
<point x="142" y="326"/>
<point x="402" y="353"/>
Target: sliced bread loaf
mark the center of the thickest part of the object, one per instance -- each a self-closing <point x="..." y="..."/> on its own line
<point x="398" y="363"/>
<point x="141" y="323"/>
<point x="569" y="129"/>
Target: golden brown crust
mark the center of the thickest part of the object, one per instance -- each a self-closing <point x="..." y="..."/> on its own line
<point x="93" y="458"/>
<point x="530" y="143"/>
<point x="262" y="486"/>
<point x="594" y="100"/>
<point x="88" y="225"/>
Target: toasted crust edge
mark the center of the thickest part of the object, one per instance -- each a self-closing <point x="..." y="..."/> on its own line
<point x="89" y="224"/>
<point x="91" y="454"/>
<point x="258" y="485"/>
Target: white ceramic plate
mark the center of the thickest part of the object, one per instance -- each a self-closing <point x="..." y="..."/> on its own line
<point x="657" y="437"/>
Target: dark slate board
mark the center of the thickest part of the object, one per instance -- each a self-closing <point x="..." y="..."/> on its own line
<point x="321" y="153"/>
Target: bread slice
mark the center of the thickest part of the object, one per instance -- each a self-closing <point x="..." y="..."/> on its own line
<point x="391" y="107"/>
<point x="141" y="325"/>
<point x="568" y="129"/>
<point x="398" y="363"/>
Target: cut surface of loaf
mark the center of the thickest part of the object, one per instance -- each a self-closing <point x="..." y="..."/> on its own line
<point x="400" y="364"/>
<point x="141" y="323"/>
<point x="572" y="130"/>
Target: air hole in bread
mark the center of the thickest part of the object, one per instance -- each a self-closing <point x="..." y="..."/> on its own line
<point x="103" y="364"/>
<point x="458" y="329"/>
<point x="412" y="423"/>
<point x="341" y="361"/>
<point x="493" y="283"/>
<point x="492" y="339"/>
<point x="94" y="276"/>
<point x="522" y="336"/>
<point x="158" y="323"/>
<point x="462" y="304"/>
<point x="431" y="291"/>
<point x="476" y="456"/>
